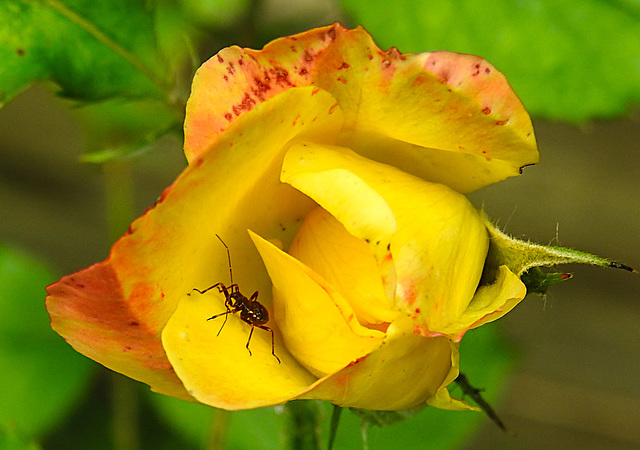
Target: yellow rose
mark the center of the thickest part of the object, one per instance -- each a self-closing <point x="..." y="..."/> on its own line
<point x="347" y="165"/>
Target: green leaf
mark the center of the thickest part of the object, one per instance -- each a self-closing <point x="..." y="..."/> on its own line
<point x="92" y="50"/>
<point x="571" y="60"/>
<point x="41" y="376"/>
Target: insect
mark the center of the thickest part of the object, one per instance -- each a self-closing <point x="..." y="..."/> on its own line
<point x="251" y="310"/>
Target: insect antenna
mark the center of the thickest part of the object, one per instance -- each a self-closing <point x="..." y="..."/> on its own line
<point x="228" y="258"/>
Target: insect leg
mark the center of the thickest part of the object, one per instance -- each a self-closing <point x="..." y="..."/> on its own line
<point x="249" y="340"/>
<point x="226" y="316"/>
<point x="218" y="285"/>
<point x="273" y="344"/>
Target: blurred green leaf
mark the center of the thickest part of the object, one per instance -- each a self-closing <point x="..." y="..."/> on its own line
<point x="206" y="427"/>
<point x="92" y="50"/>
<point x="571" y="60"/>
<point x="41" y="376"/>
<point x="192" y="421"/>
<point x="216" y="13"/>
<point x="9" y="440"/>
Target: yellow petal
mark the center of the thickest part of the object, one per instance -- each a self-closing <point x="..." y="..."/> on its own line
<point x="318" y="325"/>
<point x="440" y="243"/>
<point x="489" y="303"/>
<point x="346" y="263"/>
<point x="405" y="372"/>
<point x="495" y="300"/>
<point x="217" y="369"/>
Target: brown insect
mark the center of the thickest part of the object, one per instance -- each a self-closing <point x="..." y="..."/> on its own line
<point x="250" y="309"/>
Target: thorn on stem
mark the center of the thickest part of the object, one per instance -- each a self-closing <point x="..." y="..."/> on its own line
<point x="475" y="394"/>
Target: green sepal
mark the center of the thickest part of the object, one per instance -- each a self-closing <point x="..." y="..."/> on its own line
<point x="385" y="418"/>
<point x="537" y="281"/>
<point x="521" y="256"/>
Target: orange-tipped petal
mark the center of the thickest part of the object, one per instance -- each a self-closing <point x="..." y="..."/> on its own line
<point x="115" y="311"/>
<point x="91" y="311"/>
<point x="443" y="116"/>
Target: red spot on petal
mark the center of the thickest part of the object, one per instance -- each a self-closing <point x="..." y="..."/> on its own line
<point x="461" y="147"/>
<point x="417" y="310"/>
<point x="308" y="56"/>
<point x="302" y="72"/>
<point x="220" y="60"/>
<point x="315" y="91"/>
<point x="344" y="66"/>
<point x="245" y="105"/>
<point x="228" y="116"/>
<point x="502" y="122"/>
<point x="134" y="324"/>
<point x="342" y="80"/>
<point x="487" y="71"/>
<point x="332" y="108"/>
<point x="486" y="110"/>
<point x="281" y="76"/>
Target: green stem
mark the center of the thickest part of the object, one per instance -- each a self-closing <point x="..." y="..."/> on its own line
<point x="119" y="196"/>
<point x="124" y="409"/>
<point x="303" y="426"/>
<point x="219" y="427"/>
<point x="119" y="199"/>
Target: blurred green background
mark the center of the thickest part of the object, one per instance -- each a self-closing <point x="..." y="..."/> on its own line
<point x="575" y="354"/>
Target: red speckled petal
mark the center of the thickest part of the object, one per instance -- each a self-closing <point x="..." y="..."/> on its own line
<point x="443" y="116"/>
